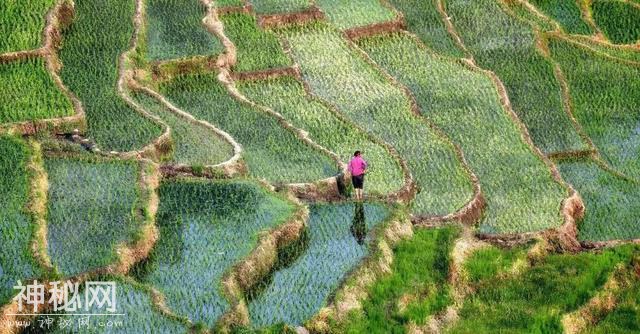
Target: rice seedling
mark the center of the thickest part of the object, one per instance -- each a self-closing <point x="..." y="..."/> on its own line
<point x="338" y="238"/>
<point x="257" y="49"/>
<point x="370" y="100"/>
<point x="229" y="3"/>
<point x="22" y="23"/>
<point x="193" y="143"/>
<point x="520" y="191"/>
<point x="491" y="261"/>
<point x="134" y="301"/>
<point x="506" y="46"/>
<point x="287" y="96"/>
<point x="174" y="30"/>
<point x="604" y="95"/>
<point x="424" y="20"/>
<point x="280" y="6"/>
<point x="206" y="227"/>
<point x="618" y="20"/>
<point x="16" y="228"/>
<point x="613" y="203"/>
<point x="416" y="288"/>
<point x="271" y="152"/>
<point x="355" y="13"/>
<point x="91" y="210"/>
<point x="617" y="52"/>
<point x="535" y="300"/>
<point x="567" y="13"/>
<point x="92" y="45"/>
<point x="27" y="92"/>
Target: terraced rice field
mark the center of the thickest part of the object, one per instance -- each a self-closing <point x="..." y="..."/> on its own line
<point x="194" y="154"/>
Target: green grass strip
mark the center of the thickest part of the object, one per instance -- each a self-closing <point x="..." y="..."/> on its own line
<point x="618" y="20"/>
<point x="613" y="204"/>
<point x="17" y="261"/>
<point x="22" y="23"/>
<point x="567" y="13"/>
<point x="535" y="300"/>
<point x="287" y="96"/>
<point x="280" y="6"/>
<point x="175" y="30"/>
<point x="206" y="227"/>
<point x="625" y="318"/>
<point x="257" y="49"/>
<point x="416" y="288"/>
<point x="100" y="33"/>
<point x="271" y="152"/>
<point x="339" y="75"/>
<point x="521" y="194"/>
<point x="506" y="46"/>
<point x="194" y="144"/>
<point x="604" y="94"/>
<point x="91" y="208"/>
<point x="27" y="92"/>
<point x="355" y="13"/>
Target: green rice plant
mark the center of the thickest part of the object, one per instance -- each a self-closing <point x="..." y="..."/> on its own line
<point x="338" y="74"/>
<point x="424" y="20"/>
<point x="257" y="49"/>
<point x="520" y="191"/>
<point x="27" y="92"/>
<point x="22" y="23"/>
<point x="175" y="30"/>
<point x="280" y="6"/>
<point x="229" y="3"/>
<point x="613" y="203"/>
<point x="194" y="144"/>
<point x="205" y="229"/>
<point x="16" y="227"/>
<point x="523" y="12"/>
<point x="134" y="301"/>
<point x="535" y="300"/>
<point x="608" y="49"/>
<point x="287" y="96"/>
<point x="618" y="20"/>
<point x="101" y="32"/>
<point x="416" y="288"/>
<point x="91" y="210"/>
<point x="506" y="46"/>
<point x="355" y="13"/>
<point x="604" y="94"/>
<point x="271" y="152"/>
<point x="567" y="13"/>
<point x="491" y="261"/>
<point x="338" y="238"/>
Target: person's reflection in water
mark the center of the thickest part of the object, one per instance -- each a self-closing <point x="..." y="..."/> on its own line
<point x="359" y="225"/>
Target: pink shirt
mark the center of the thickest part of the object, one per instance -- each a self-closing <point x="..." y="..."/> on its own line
<point x="357" y="165"/>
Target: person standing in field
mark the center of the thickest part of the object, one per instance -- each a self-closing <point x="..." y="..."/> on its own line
<point x="358" y="168"/>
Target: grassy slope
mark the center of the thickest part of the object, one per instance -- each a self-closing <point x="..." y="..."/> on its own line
<point x="174" y="30"/>
<point x="194" y="144"/>
<point x="90" y="211"/>
<point x="424" y="20"/>
<point x="355" y="13"/>
<point x="619" y="21"/>
<point x="279" y="6"/>
<point x="22" y="23"/>
<point x="27" y="92"/>
<point x="567" y="13"/>
<point x="535" y="300"/>
<point x="101" y="31"/>
<point x="613" y="204"/>
<point x="340" y="76"/>
<point x="491" y="261"/>
<point x="299" y="291"/>
<point x="287" y="96"/>
<point x="625" y="318"/>
<point x="270" y="152"/>
<point x="521" y="194"/>
<point x="604" y="95"/>
<point x="257" y="49"/>
<point x="16" y="229"/>
<point x="206" y="227"/>
<point x="506" y="46"/>
<point x="418" y="280"/>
